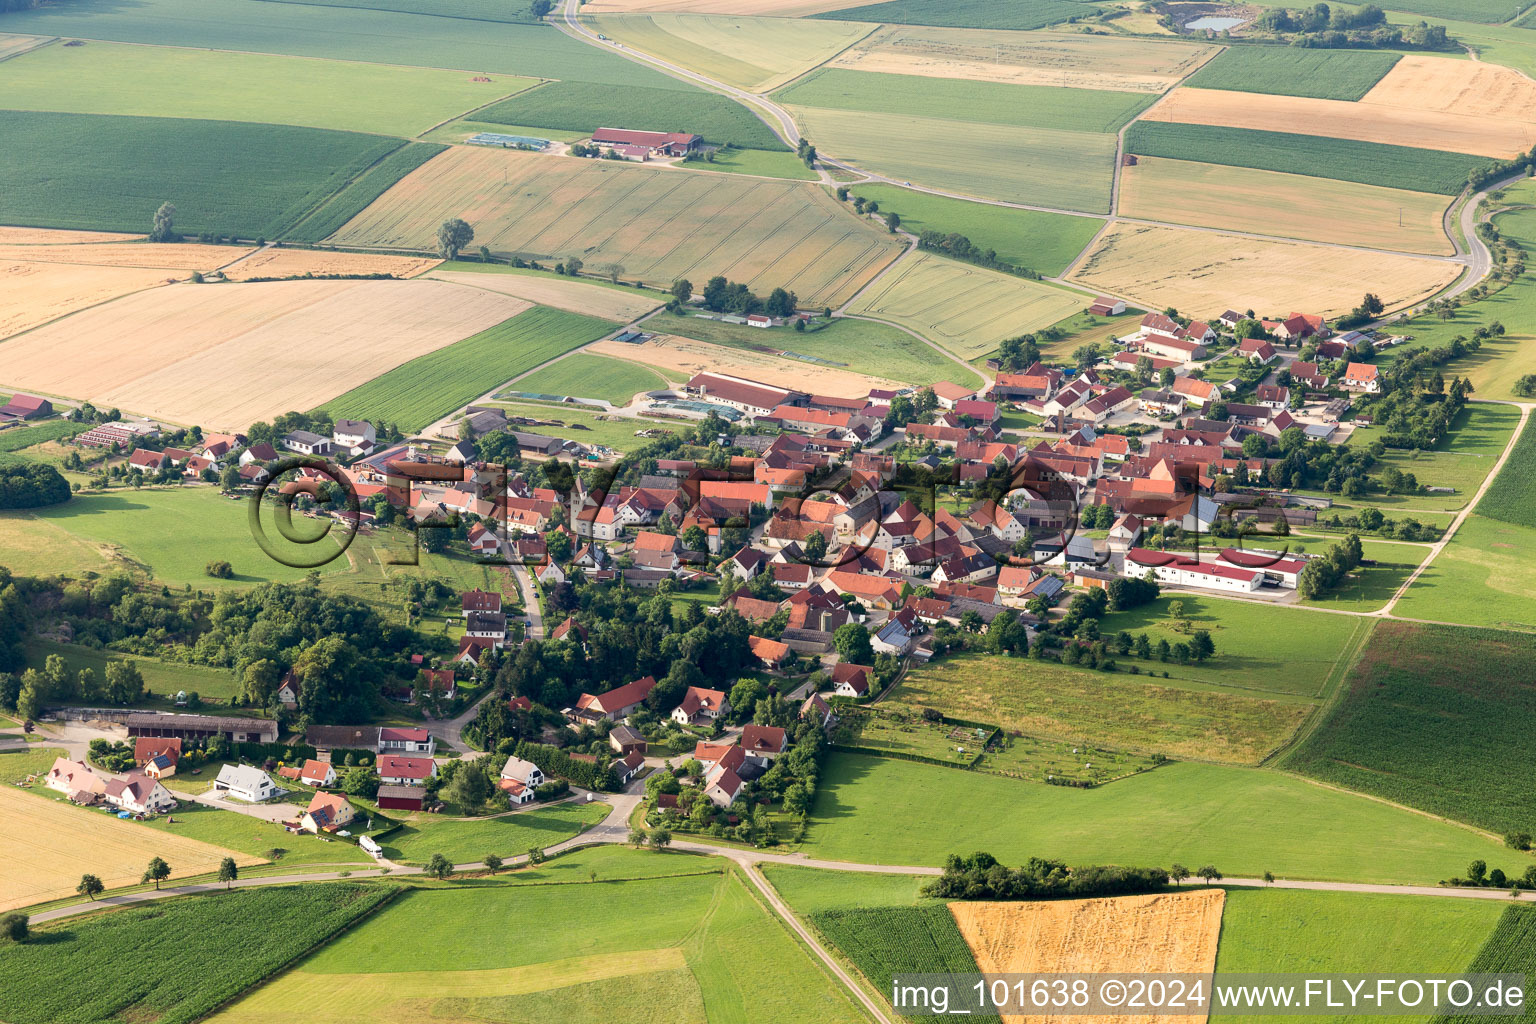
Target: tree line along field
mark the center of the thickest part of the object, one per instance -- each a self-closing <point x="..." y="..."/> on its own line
<point x="697" y="949"/>
<point x="415" y="393"/>
<point x="249" y="933"/>
<point x="587" y="106"/>
<point x="1370" y="163"/>
<point x="647" y="224"/>
<point x="1020" y="15"/>
<point x="1269" y="821"/>
<point x="1067" y="170"/>
<point x="346" y="33"/>
<point x="223" y="86"/>
<point x="111" y="173"/>
<point x="1293" y="205"/>
<point x="1295" y="71"/>
<point x="1060" y="60"/>
<point x="223" y="356"/>
<point x="1046" y="243"/>
<point x="1025" y="106"/>
<point x="1165" y="266"/>
<point x="750" y="53"/>
<point x="1415" y="728"/>
<point x="967" y="310"/>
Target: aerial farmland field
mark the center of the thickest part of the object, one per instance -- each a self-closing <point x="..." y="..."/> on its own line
<point x="1196" y="271"/>
<point x="221" y="86"/>
<point x="745" y="8"/>
<point x="1020" y="14"/>
<point x="1036" y="58"/>
<point x="226" y="355"/>
<point x="585" y="376"/>
<point x="1068" y="170"/>
<point x="1294" y="205"/>
<point x="686" y="356"/>
<point x="1486" y="576"/>
<point x="758" y="54"/>
<point x="436" y="383"/>
<point x="700" y="945"/>
<point x="35" y="293"/>
<point x="1290" y="71"/>
<point x="112" y="173"/>
<point x="966" y="309"/>
<point x="618" y="304"/>
<point x="618" y="216"/>
<point x="1420" y="81"/>
<point x="278" y="263"/>
<point x="587" y="106"/>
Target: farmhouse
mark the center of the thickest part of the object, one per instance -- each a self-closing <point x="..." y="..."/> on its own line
<point x="613" y="705"/>
<point x="320" y="774"/>
<point x="663" y="143"/>
<point x="628" y="766"/>
<point x="327" y="812"/>
<point x="148" y="748"/>
<point x="700" y="705"/>
<point x="850" y="680"/>
<point x="76" y="780"/>
<point x="246" y="782"/>
<point x="1361" y="377"/>
<point x="1257" y="350"/>
<point x="395" y="739"/>
<point x="764" y="740"/>
<point x="395" y="770"/>
<point x="355" y="437"/>
<point x="519" y="779"/>
<point x="140" y="794"/>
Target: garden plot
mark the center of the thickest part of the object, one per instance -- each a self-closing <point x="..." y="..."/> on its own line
<point x="648" y="223"/>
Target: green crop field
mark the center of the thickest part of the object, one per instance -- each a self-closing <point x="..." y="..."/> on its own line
<point x="1027" y="106"/>
<point x="690" y="949"/>
<point x="1415" y="727"/>
<point x="860" y="345"/>
<point x="170" y="535"/>
<point x="418" y="392"/>
<point x="1259" y="820"/>
<point x="1068" y="170"/>
<point x="249" y="933"/>
<point x="883" y="942"/>
<point x="1486" y="576"/>
<point x="17" y="438"/>
<point x="1046" y="243"/>
<point x="584" y="376"/>
<point x="1511" y="498"/>
<point x="1017" y="14"/>
<point x="1258" y="647"/>
<point x="584" y="106"/>
<point x="1482" y="428"/>
<point x="328" y="217"/>
<point x="112" y="173"/>
<point x="480" y="10"/>
<point x="1511" y="949"/>
<point x="222" y="86"/>
<point x="812" y="890"/>
<point x="1336" y="932"/>
<point x="1486" y="11"/>
<point x="1371" y="163"/>
<point x="463" y="840"/>
<point x="346" y="33"/>
<point x="1101" y="709"/>
<point x="1295" y="71"/>
<point x="160" y="677"/>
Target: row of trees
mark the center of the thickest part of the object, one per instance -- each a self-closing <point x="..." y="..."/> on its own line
<point x="1322" y="27"/>
<point x="982" y="877"/>
<point x="723" y="296"/>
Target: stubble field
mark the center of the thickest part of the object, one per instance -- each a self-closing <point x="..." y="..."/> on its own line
<point x="1292" y="205"/>
<point x="757" y="54"/>
<point x="313" y="262"/>
<point x="223" y="356"/>
<point x="966" y="309"/>
<point x="48" y="845"/>
<point x="688" y="357"/>
<point x="1479" y="134"/>
<point x="1470" y="88"/>
<point x="183" y="256"/>
<point x="35" y="293"/>
<point x="1160" y="933"/>
<point x="1199" y="271"/>
<point x="1039" y="58"/>
<point x="651" y="224"/>
<point x="764" y="8"/>
<point x="619" y="305"/>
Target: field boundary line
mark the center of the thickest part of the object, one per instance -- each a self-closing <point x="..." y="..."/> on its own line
<point x="1335" y="684"/>
<point x="475" y="110"/>
<point x="817" y="67"/>
<point x="42" y="41"/>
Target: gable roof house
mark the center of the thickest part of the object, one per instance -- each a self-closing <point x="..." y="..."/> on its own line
<point x="519" y="779"/>
<point x="1257" y="350"/>
<point x="140" y="794"/>
<point x="396" y="770"/>
<point x="327" y="812"/>
<point x="317" y="773"/>
<point x="246" y="782"/>
<point x="615" y="704"/>
<point x="849" y="680"/>
<point x="76" y="780"/>
<point x="764" y="740"/>
<point x="1361" y="377"/>
<point x="701" y="705"/>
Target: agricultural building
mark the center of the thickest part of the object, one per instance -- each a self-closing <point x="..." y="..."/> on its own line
<point x="664" y="143"/>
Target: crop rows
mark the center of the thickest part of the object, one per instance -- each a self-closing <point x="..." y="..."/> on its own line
<point x="329" y="216"/>
<point x="1512" y="496"/>
<point x="883" y="942"/>
<point x="1511" y="949"/>
<point x="175" y="961"/>
<point x="1370" y="163"/>
<point x="1296" y="71"/>
<point x="1016" y="14"/>
<point x="418" y="392"/>
<point x="517" y="11"/>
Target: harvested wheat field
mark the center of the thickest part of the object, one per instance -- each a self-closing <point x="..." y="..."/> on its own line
<point x="299" y="262"/>
<point x="965" y="309"/>
<point x="1294" y="205"/>
<point x="47" y="845"/>
<point x="225" y="355"/>
<point x="763" y="8"/>
<point x="11" y="45"/>
<point x="1201" y="271"/>
<point x="183" y="256"/>
<point x="652" y="224"/>
<point x="759" y="54"/>
<point x="60" y="236"/>
<point x="1026" y="58"/>
<point x="35" y="293"/>
<point x="687" y="356"/>
<point x="1480" y="134"/>
<point x="1161" y="933"/>
<point x="1472" y="88"/>
<point x="560" y="292"/>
